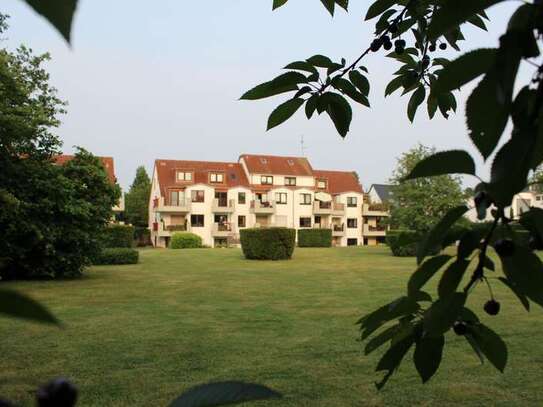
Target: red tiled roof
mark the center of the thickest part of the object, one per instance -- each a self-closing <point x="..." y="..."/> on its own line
<point x="166" y="171"/>
<point x="107" y="162"/>
<point x="269" y="164"/>
<point x="339" y="181"/>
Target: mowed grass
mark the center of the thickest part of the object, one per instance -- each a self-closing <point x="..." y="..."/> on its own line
<point x="139" y="335"/>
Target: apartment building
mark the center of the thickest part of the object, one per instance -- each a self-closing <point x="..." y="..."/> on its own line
<point x="109" y="166"/>
<point x="215" y="200"/>
<point x="375" y="212"/>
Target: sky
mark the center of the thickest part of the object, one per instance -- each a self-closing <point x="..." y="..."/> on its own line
<point x="147" y="80"/>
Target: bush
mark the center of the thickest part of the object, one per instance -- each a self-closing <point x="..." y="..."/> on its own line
<point x="403" y="243"/>
<point x="118" y="236"/>
<point x="118" y="255"/>
<point x="185" y="240"/>
<point x="142" y="236"/>
<point x="315" y="237"/>
<point x="268" y="243"/>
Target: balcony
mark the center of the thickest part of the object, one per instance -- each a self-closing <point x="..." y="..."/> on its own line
<point x="180" y="206"/>
<point x="370" y="230"/>
<point x="223" y="230"/>
<point x="168" y="230"/>
<point x="262" y="208"/>
<point x="338" y="230"/>
<point x="224" y="205"/>
<point x="328" y="208"/>
<point x="375" y="210"/>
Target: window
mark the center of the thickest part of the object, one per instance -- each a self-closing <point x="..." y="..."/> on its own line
<point x="321" y="184"/>
<point x="184" y="176"/>
<point x="197" y="221"/>
<point x="197" y="196"/>
<point x="317" y="219"/>
<point x="241" y="198"/>
<point x="174" y="198"/>
<point x="291" y="181"/>
<point x="352" y="223"/>
<point x="305" y="199"/>
<point x="216" y="177"/>
<point x="263" y="161"/>
<point x="281" y="198"/>
<point x="266" y="180"/>
<point x="305" y="222"/>
<point x="352" y="242"/>
<point x="351" y="201"/>
<point x="241" y="221"/>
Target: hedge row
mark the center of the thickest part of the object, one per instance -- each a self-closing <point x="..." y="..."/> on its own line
<point x="185" y="240"/>
<point x="118" y="255"/>
<point x="118" y="236"/>
<point x="403" y="243"/>
<point x="268" y="243"/>
<point x="315" y="237"/>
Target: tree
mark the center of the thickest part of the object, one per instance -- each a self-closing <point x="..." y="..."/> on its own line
<point x="136" y="201"/>
<point x="417" y="319"/>
<point x="419" y="203"/>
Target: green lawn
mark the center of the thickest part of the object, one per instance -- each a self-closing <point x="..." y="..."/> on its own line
<point x="139" y="335"/>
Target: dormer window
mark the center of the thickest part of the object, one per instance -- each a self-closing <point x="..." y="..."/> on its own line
<point x="266" y="180"/>
<point x="321" y="184"/>
<point x="263" y="161"/>
<point x="290" y="162"/>
<point x="216" y="177"/>
<point x="183" y="176"/>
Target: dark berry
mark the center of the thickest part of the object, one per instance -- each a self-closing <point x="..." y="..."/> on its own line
<point x="504" y="247"/>
<point x="387" y="45"/>
<point x="375" y="45"/>
<point x="443" y="46"/>
<point x="432" y="48"/>
<point x="399" y="50"/>
<point x="492" y="307"/>
<point x="393" y="28"/>
<point x="460" y="328"/>
<point x="399" y="43"/>
<point x="57" y="393"/>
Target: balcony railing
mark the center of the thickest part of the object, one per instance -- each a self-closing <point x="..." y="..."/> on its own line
<point x="338" y="230"/>
<point x="176" y="228"/>
<point x="179" y="205"/>
<point x="374" y="230"/>
<point x="224" y="205"/>
<point x="262" y="207"/>
<point x="375" y="210"/>
<point x="327" y="208"/>
<point x="223" y="229"/>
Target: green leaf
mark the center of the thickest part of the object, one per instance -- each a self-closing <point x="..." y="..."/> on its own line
<point x="16" y="305"/>
<point x="524" y="271"/>
<point x="321" y="61"/>
<point x="432" y="104"/>
<point x="59" y="13"/>
<point x="434" y="238"/>
<point x="491" y="345"/>
<point x="394" y="85"/>
<point x="283" y="83"/>
<point x="478" y="22"/>
<point x="440" y="317"/>
<point x="283" y="112"/>
<point x="380" y="339"/>
<point x="348" y="89"/>
<point x="443" y="162"/>
<point x="464" y="69"/>
<point x="329" y="5"/>
<point x="468" y="243"/>
<point x="398" y="308"/>
<point x="379" y="7"/>
<point x="428" y="355"/>
<point x="340" y="112"/>
<point x="475" y="347"/>
<point x="278" y="3"/>
<point x="533" y="221"/>
<point x="451" y="278"/>
<point x="392" y="358"/>
<point x="425" y="272"/>
<point x="455" y="12"/>
<point x="302" y="66"/>
<point x="360" y="81"/>
<point x="414" y="102"/>
<point x="311" y="105"/>
<point x="522" y="298"/>
<point x="223" y="393"/>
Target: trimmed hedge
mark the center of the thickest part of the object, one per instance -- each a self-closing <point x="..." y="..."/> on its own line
<point x="118" y="255"/>
<point x="315" y="237"/>
<point x="268" y="243"/>
<point x="185" y="240"/>
<point x="118" y="236"/>
<point x="403" y="243"/>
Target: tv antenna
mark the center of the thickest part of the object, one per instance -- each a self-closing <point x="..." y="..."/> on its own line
<point x="302" y="145"/>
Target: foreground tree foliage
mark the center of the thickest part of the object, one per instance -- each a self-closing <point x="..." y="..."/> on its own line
<point x="416" y="29"/>
<point x="419" y="203"/>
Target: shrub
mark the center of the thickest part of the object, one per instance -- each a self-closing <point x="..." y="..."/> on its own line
<point x="118" y="236"/>
<point x="403" y="243"/>
<point x="268" y="243"/>
<point x="118" y="255"/>
<point x="185" y="240"/>
<point x="315" y="237"/>
<point x="142" y="236"/>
